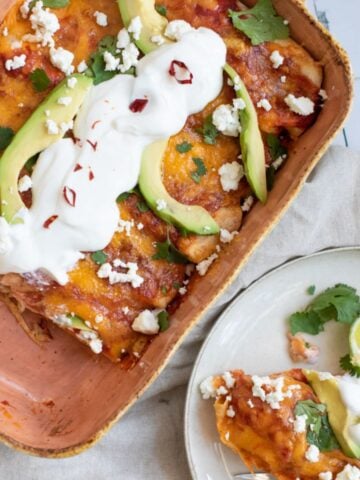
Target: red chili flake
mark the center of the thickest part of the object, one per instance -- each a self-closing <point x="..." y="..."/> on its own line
<point x="49" y="221"/>
<point x="70" y="196"/>
<point x="138" y="105"/>
<point x="78" y="167"/>
<point x="95" y="123"/>
<point x="94" y="145"/>
<point x="180" y="72"/>
<point x="91" y="175"/>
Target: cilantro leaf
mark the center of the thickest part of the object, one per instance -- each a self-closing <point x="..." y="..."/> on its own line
<point x="167" y="251"/>
<point x="123" y="196"/>
<point x="163" y="320"/>
<point x="319" y="432"/>
<point x="276" y="148"/>
<point x="99" y="257"/>
<point x="6" y="135"/>
<point x="40" y="80"/>
<point x="184" y="147"/>
<point x="142" y="206"/>
<point x="340" y="303"/>
<point x="347" y="365"/>
<point x="161" y="9"/>
<point x="200" y="171"/>
<point x="209" y="131"/>
<point x="311" y="289"/>
<point x="261" y="23"/>
<point x="306" y="322"/>
<point x="51" y="3"/>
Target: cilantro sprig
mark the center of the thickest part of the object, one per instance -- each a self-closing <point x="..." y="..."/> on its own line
<point x="163" y="320"/>
<point x="51" y="3"/>
<point x="200" y="171"/>
<point x="39" y="79"/>
<point x="209" y="131"/>
<point x="347" y="365"/>
<point x="6" y="135"/>
<point x="161" y="9"/>
<point x="99" y="257"/>
<point x="275" y="146"/>
<point x="318" y="429"/>
<point x="340" y="303"/>
<point x="183" y="147"/>
<point x="260" y="23"/>
<point x="167" y="251"/>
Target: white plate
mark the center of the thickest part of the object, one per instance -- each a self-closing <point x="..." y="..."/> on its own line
<point x="251" y="335"/>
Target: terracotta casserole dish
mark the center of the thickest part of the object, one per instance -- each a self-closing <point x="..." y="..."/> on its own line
<point x="59" y="399"/>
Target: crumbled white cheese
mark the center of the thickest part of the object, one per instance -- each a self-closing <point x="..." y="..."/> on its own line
<point x="276" y="394"/>
<point x="226" y="236"/>
<point x="140" y="226"/>
<point x="123" y="39"/>
<point x="278" y="162"/>
<point x="66" y="126"/>
<point x="5" y="32"/>
<point x="286" y="22"/>
<point x="101" y="18"/>
<point x="111" y="63"/>
<point x="300" y="423"/>
<point x="64" y="101"/>
<point x="125" y="226"/>
<point x="92" y="339"/>
<point x="265" y="104"/>
<point x="226" y="120"/>
<point x="325" y="476"/>
<point x="82" y="67"/>
<point x="350" y="472"/>
<point x="62" y="321"/>
<point x="25" y="183"/>
<point x="16" y="62"/>
<point x="25" y="8"/>
<point x="52" y="127"/>
<point x="300" y="105"/>
<point x="6" y="244"/>
<point x="228" y="379"/>
<point x="230" y="176"/>
<point x="99" y="318"/>
<point x="204" y="266"/>
<point x="230" y="412"/>
<point x="176" y="29"/>
<point x="323" y="94"/>
<point x="250" y="403"/>
<point x="276" y="59"/>
<point x="44" y="23"/>
<point x="182" y="290"/>
<point x="96" y="345"/>
<point x="71" y="82"/>
<point x="125" y="310"/>
<point x="62" y="59"/>
<point x="147" y="323"/>
<point x="227" y="436"/>
<point x="248" y="203"/>
<point x="239" y="104"/>
<point x="161" y="205"/>
<point x="325" y="376"/>
<point x="312" y="454"/>
<point x="221" y="391"/>
<point x="135" y="27"/>
<point x="283" y="79"/>
<point x="106" y="271"/>
<point x="158" y="40"/>
<point x="207" y="388"/>
<point x="130" y="57"/>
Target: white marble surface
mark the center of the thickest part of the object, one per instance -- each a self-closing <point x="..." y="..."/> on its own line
<point x="341" y="18"/>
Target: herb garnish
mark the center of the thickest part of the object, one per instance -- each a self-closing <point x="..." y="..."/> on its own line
<point x="340" y="303"/>
<point x="29" y="165"/>
<point x="319" y="432"/>
<point x="260" y="23"/>
<point x="275" y="147"/>
<point x="347" y="365"/>
<point x="6" y="135"/>
<point x="99" y="257"/>
<point x="40" y="80"/>
<point x="311" y="290"/>
<point x="161" y="9"/>
<point x="142" y="206"/>
<point x="163" y="320"/>
<point x="209" y="131"/>
<point x="51" y="3"/>
<point x="123" y="196"/>
<point x="200" y="171"/>
<point x="184" y="147"/>
<point x="167" y="251"/>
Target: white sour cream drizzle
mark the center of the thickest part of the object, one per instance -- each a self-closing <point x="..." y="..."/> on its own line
<point x="121" y="136"/>
<point x="349" y="388"/>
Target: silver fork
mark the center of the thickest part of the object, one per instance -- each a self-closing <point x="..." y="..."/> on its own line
<point x="253" y="476"/>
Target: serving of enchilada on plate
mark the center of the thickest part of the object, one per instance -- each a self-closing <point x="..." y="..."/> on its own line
<point x="146" y="147"/>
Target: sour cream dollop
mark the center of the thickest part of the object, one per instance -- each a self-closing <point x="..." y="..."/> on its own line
<point x="105" y="161"/>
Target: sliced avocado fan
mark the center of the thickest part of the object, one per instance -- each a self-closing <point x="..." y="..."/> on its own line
<point x="33" y="138"/>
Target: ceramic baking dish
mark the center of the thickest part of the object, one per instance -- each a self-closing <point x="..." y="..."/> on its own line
<point x="59" y="399"/>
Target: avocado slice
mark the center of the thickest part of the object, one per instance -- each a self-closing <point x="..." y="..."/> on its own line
<point x="193" y="218"/>
<point x="154" y="24"/>
<point x="340" y="418"/>
<point x="252" y="146"/>
<point x="33" y="138"/>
